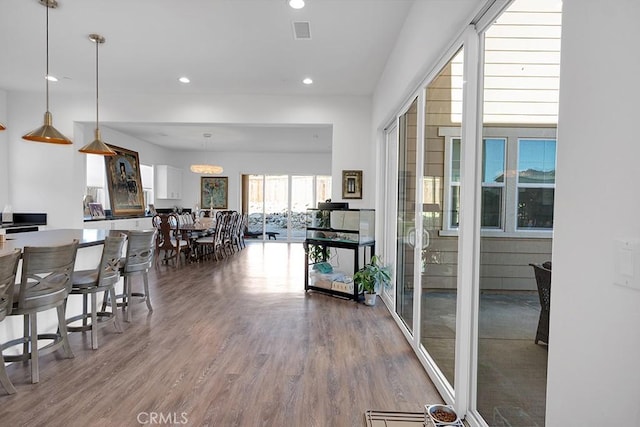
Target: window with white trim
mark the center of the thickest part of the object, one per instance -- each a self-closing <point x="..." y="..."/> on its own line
<point x="536" y="183"/>
<point x="518" y="179"/>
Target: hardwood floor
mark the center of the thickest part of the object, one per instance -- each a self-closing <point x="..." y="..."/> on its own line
<point x="232" y="343"/>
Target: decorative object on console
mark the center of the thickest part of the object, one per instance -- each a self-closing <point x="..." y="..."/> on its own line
<point x="97" y="146"/>
<point x="351" y="184"/>
<point x="124" y="182"/>
<point x="46" y="132"/>
<point x="96" y="210"/>
<point x="214" y="192"/>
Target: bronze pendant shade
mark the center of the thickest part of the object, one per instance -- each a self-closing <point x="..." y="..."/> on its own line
<point x="46" y="132"/>
<point x="97" y="146"/>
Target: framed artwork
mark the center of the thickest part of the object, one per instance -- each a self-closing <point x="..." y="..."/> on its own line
<point x="124" y="183"/>
<point x="96" y="210"/>
<point x="352" y="184"/>
<point x="214" y="192"/>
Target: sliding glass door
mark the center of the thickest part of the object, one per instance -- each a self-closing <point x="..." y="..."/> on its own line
<point x="405" y="264"/>
<point x="521" y="83"/>
<point x="277" y="204"/>
<point x="439" y="248"/>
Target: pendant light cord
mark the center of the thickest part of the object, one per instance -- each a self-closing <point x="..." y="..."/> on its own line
<point x="46" y="6"/>
<point x="97" y="42"/>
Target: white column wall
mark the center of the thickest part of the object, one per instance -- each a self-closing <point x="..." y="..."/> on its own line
<point x="4" y="151"/>
<point x="49" y="178"/>
<point x="593" y="371"/>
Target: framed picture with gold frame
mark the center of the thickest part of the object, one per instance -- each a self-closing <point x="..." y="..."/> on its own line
<point x="124" y="183"/>
<point x="351" y="184"/>
<point x="214" y="192"/>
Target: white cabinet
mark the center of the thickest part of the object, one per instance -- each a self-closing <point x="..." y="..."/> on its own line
<point x="168" y="182"/>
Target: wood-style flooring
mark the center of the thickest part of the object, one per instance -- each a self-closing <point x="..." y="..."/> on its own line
<point x="230" y="343"/>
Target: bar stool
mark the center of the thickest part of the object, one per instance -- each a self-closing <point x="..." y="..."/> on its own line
<point x="91" y="282"/>
<point x="137" y="261"/>
<point x="8" y="267"/>
<point x="44" y="284"/>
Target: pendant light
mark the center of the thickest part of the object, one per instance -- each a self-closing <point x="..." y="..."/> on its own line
<point x="97" y="146"/>
<point x="206" y="169"/>
<point x="2" y="127"/>
<point x="46" y="132"/>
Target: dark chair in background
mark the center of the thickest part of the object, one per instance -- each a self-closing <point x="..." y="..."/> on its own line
<point x="169" y="239"/>
<point x="543" y="281"/>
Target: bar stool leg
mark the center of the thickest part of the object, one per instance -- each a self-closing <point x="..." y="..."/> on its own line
<point x="33" y="322"/>
<point x="62" y="327"/>
<point x="126" y="303"/>
<point x="4" y="379"/>
<point x="146" y="291"/>
<point x="94" y="321"/>
<point x="114" y="310"/>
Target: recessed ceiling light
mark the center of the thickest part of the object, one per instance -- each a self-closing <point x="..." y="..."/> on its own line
<point x="51" y="78"/>
<point x="296" y="4"/>
<point x="184" y="79"/>
<point x="307" y="81"/>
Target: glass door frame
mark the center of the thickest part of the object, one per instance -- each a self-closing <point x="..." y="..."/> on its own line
<point x="463" y="397"/>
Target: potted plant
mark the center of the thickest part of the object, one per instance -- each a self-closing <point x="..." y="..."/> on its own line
<point x="370" y="277"/>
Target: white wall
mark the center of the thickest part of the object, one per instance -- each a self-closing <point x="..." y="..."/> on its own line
<point x="431" y="27"/>
<point x="4" y="151"/>
<point x="50" y="178"/>
<point x="594" y="352"/>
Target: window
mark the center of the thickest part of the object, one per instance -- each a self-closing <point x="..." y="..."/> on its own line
<point x="521" y="200"/>
<point x="493" y="151"/>
<point x="536" y="182"/>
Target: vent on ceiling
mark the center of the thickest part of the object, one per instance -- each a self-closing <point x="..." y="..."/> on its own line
<point x="301" y="30"/>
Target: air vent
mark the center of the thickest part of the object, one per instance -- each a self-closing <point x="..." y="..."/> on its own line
<point x="301" y="30"/>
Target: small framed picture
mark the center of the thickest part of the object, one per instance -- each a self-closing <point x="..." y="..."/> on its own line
<point x="352" y="184"/>
<point x="96" y="210"/>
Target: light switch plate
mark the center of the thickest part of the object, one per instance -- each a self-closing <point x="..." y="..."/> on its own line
<point x="627" y="263"/>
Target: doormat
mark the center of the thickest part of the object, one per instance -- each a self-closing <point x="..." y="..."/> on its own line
<point x="394" y="419"/>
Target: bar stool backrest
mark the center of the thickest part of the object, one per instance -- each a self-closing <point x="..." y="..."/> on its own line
<point x="8" y="267"/>
<point x="109" y="270"/>
<point x="140" y="246"/>
<point x="46" y="275"/>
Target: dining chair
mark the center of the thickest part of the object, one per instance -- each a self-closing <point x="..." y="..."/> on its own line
<point x="91" y="282"/>
<point x="45" y="283"/>
<point x="170" y="242"/>
<point x="8" y="267"/>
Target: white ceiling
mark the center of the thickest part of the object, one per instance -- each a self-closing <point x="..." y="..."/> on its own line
<point x="223" y="46"/>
